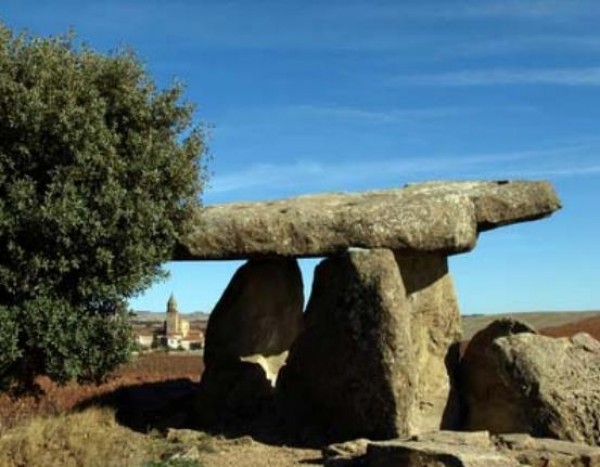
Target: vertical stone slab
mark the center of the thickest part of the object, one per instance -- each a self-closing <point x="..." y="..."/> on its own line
<point x="435" y="333"/>
<point x="373" y="360"/>
<point x="350" y="374"/>
<point x="248" y="336"/>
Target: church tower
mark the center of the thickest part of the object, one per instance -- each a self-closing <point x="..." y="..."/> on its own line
<point x="172" y="324"/>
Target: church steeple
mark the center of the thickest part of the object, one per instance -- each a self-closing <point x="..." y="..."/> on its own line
<point x="175" y="325"/>
<point x="172" y="305"/>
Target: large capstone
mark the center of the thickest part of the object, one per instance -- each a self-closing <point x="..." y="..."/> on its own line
<point x="363" y="366"/>
<point x="249" y="333"/>
<point x="440" y="216"/>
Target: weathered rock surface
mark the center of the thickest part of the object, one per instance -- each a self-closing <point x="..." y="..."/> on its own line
<point x="348" y="453"/>
<point x="484" y="399"/>
<point x="544" y="386"/>
<point x="447" y="450"/>
<point x="260" y="312"/>
<point x="462" y="449"/>
<point x="427" y="448"/>
<point x="350" y="372"/>
<point x="435" y="331"/>
<point x="541" y="452"/>
<point x="358" y="370"/>
<point x="248" y="335"/>
<point x="439" y="216"/>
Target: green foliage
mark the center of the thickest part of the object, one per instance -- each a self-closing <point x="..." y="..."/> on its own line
<point x="9" y="346"/>
<point x="99" y="174"/>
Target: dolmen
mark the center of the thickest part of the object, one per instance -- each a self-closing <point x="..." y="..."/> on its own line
<point x="375" y="351"/>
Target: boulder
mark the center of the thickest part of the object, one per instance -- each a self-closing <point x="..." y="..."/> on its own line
<point x="357" y="370"/>
<point x="444" y="217"/>
<point x="544" y="386"/>
<point x="346" y="454"/>
<point x="541" y="452"/>
<point x="462" y="449"/>
<point x="483" y="398"/>
<point x="248" y="336"/>
<point x="439" y="449"/>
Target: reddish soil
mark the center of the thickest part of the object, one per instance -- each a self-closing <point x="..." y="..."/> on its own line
<point x="590" y="325"/>
<point x="162" y="371"/>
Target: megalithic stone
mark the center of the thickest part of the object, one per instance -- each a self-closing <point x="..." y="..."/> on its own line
<point x="436" y="330"/>
<point x="350" y="372"/>
<point x="367" y="365"/>
<point x="248" y="336"/>
<point x="443" y="217"/>
<point x="515" y="380"/>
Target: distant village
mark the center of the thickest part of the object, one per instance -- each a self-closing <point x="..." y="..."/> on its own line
<point x="174" y="333"/>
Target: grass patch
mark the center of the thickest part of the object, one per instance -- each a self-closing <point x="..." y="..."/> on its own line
<point x="93" y="438"/>
<point x="90" y="438"/>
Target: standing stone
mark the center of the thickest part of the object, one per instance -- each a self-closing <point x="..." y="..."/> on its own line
<point x="356" y="368"/>
<point x="350" y="372"/>
<point x="435" y="332"/>
<point x="248" y="336"/>
<point x="544" y="386"/>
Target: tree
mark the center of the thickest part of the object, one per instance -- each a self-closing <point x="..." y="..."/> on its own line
<point x="100" y="172"/>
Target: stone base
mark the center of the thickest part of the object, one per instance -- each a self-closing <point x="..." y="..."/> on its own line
<point x="462" y="449"/>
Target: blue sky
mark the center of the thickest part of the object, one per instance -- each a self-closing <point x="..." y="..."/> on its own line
<point x="309" y="96"/>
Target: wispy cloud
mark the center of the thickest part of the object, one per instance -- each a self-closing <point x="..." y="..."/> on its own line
<point x="380" y="116"/>
<point x="311" y="175"/>
<point x="557" y="76"/>
<point x="562" y="172"/>
<point x="269" y="24"/>
<point x="555" y="9"/>
<point x="473" y="9"/>
<point x="252" y="118"/>
<point x="520" y="44"/>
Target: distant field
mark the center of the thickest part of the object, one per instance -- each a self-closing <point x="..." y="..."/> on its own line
<point x="151" y="316"/>
<point x="539" y="320"/>
<point x="471" y="323"/>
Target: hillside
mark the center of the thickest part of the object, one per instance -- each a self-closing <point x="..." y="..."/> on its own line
<point x="471" y="323"/>
<point x="539" y="320"/>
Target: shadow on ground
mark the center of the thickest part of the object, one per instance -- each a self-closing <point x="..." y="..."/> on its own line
<point x="149" y="406"/>
<point x="159" y="406"/>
